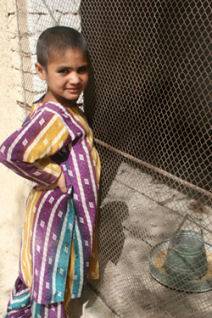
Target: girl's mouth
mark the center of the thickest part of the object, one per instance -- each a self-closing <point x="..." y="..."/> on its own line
<point x="73" y="90"/>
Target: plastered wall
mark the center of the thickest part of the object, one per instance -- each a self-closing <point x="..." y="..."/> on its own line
<point x="12" y="188"/>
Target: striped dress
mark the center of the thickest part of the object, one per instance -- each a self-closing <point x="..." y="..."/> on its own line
<point x="59" y="248"/>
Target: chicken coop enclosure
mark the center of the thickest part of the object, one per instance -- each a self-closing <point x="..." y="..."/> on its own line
<point x="149" y="105"/>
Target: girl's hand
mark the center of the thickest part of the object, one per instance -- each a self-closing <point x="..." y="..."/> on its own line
<point x="61" y="183"/>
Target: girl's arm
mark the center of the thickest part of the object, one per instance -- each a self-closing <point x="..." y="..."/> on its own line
<point x="28" y="149"/>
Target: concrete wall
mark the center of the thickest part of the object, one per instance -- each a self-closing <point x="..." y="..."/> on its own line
<point x="13" y="188"/>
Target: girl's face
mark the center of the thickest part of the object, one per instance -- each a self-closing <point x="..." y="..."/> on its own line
<point x="66" y="75"/>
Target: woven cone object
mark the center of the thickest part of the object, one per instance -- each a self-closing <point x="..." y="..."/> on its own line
<point x="183" y="263"/>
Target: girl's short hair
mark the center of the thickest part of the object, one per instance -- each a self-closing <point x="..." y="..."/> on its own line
<point x="59" y="38"/>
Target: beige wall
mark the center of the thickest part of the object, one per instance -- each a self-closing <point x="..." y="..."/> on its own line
<point x="13" y="189"/>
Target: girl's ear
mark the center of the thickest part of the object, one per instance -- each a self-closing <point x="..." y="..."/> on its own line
<point x="40" y="71"/>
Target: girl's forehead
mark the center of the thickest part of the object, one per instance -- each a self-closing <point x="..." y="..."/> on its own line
<point x="67" y="55"/>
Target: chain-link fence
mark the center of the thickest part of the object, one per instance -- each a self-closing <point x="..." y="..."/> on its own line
<point x="149" y="104"/>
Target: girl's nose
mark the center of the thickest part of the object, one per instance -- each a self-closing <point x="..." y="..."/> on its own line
<point x="74" y="78"/>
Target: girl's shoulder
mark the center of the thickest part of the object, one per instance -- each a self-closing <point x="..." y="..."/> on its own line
<point x="50" y="106"/>
<point x="72" y="117"/>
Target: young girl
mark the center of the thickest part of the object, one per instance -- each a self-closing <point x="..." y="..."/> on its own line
<point x="54" y="148"/>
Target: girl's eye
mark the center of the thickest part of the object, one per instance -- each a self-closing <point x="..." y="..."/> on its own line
<point x="82" y="69"/>
<point x="63" y="71"/>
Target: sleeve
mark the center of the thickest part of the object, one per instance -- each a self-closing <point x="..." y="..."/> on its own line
<point x="27" y="151"/>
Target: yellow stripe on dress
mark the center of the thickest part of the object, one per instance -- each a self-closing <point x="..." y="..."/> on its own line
<point x="49" y="166"/>
<point x="48" y="141"/>
<point x="70" y="277"/>
<point x="26" y="262"/>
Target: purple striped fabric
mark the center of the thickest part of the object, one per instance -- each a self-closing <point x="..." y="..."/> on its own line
<point x="55" y="224"/>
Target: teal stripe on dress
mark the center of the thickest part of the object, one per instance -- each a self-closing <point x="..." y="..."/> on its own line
<point x="78" y="262"/>
<point x="20" y="301"/>
<point x="36" y="310"/>
<point x="64" y="257"/>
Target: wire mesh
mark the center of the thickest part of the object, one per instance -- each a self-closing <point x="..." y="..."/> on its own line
<point x="149" y="104"/>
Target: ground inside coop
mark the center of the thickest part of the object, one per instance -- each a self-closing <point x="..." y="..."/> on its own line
<point x="152" y="213"/>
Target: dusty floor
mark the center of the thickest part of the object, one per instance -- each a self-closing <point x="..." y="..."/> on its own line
<point x="138" y="213"/>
